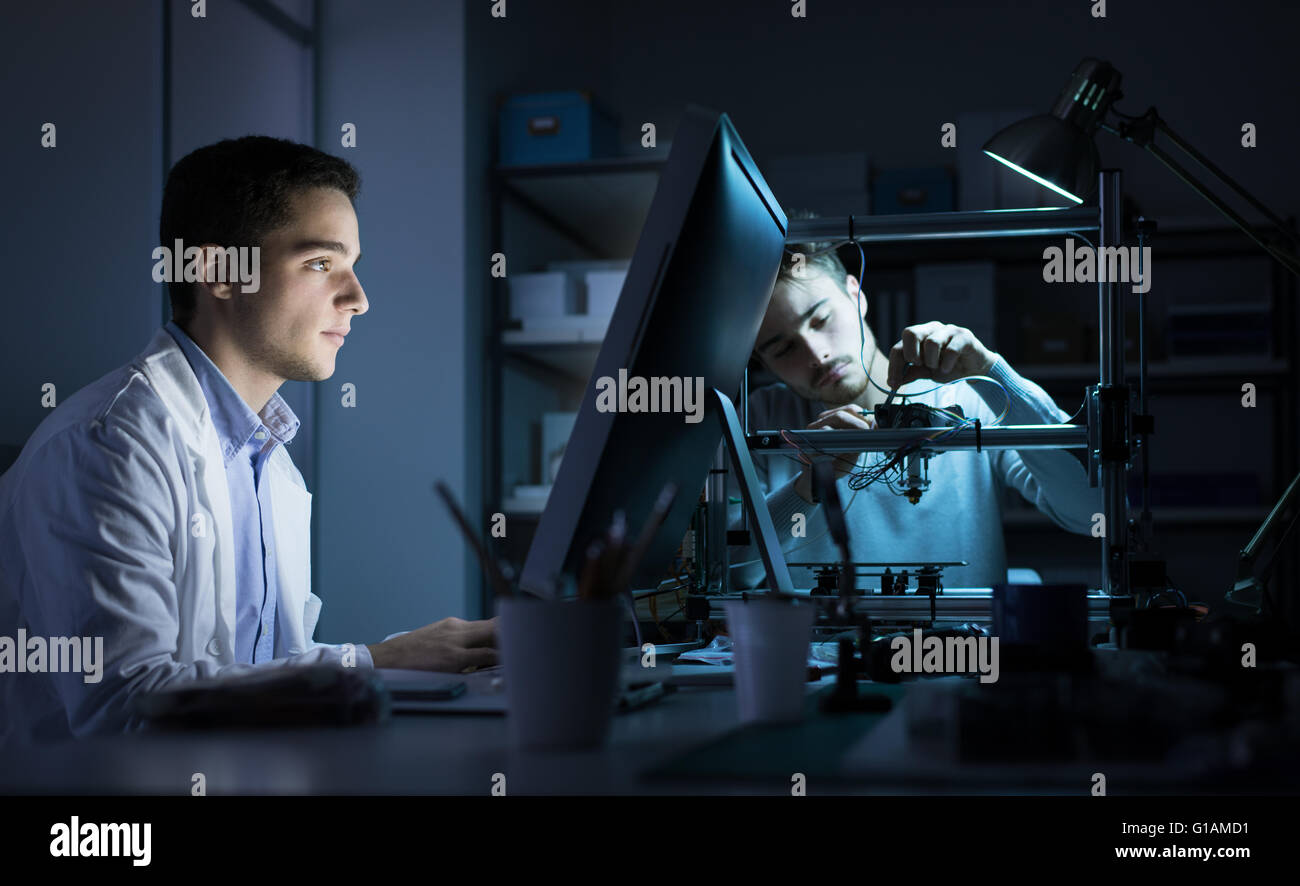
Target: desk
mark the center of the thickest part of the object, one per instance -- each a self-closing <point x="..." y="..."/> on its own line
<point x="408" y="754"/>
<point x="459" y="755"/>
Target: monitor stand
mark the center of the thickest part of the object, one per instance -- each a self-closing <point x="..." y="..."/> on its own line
<point x="769" y="546"/>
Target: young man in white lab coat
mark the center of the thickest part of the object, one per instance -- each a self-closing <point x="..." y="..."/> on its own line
<point x="157" y="508"/>
<point x="815" y="338"/>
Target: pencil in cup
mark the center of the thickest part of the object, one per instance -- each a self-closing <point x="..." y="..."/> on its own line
<point x="611" y="563"/>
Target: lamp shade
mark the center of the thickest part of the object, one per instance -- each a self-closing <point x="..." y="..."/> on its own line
<point x="1053" y="153"/>
<point x="1057" y="150"/>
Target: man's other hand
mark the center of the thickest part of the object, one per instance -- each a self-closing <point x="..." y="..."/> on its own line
<point x="848" y="417"/>
<point x="451" y="645"/>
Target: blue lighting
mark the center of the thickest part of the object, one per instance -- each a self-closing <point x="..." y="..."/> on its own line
<point x="1042" y="181"/>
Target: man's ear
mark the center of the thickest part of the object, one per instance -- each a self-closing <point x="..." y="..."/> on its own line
<point x="852" y="286"/>
<point x="220" y="270"/>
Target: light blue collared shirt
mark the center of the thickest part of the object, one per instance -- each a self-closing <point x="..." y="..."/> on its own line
<point x="247" y="441"/>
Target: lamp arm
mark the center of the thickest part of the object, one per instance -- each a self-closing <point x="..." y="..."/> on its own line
<point x="1269" y="526"/>
<point x="1251" y="587"/>
<point x="1223" y="177"/>
<point x="1141" y="132"/>
<point x="1287" y="260"/>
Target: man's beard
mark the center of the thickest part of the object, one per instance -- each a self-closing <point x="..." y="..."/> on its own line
<point x="846" y="390"/>
<point x="271" y="357"/>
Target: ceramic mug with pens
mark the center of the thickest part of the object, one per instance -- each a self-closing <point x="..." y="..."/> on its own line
<point x="561" y="657"/>
<point x="561" y="661"/>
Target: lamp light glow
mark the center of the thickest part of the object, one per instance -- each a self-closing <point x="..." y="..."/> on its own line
<point x="1042" y="181"/>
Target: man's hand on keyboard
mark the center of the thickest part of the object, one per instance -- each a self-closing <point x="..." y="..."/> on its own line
<point x="451" y="645"/>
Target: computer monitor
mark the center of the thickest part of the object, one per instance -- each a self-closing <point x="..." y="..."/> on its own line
<point x="690" y="308"/>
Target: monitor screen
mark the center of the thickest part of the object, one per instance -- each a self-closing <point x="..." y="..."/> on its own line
<point x="685" y="323"/>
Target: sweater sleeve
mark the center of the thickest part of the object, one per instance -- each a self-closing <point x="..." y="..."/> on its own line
<point x="1053" y="480"/>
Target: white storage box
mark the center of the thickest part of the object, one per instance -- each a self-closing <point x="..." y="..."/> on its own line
<point x="603" y="288"/>
<point x="542" y="294"/>
<point x="581" y="266"/>
<point x="556" y="429"/>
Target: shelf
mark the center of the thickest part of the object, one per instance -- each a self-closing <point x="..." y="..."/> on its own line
<point x="1181" y="238"/>
<point x="521" y="510"/>
<point x="1190" y="367"/>
<point x="601" y="204"/>
<point x="524" y="505"/>
<point x="1160" y="516"/>
<point x="570" y="352"/>
<point x="577" y="335"/>
<point x="598" y="166"/>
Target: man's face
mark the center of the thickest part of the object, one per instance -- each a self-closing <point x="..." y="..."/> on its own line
<point x="812" y="336"/>
<point x="308" y="286"/>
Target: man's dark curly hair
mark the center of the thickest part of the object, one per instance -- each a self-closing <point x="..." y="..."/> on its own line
<point x="236" y="192"/>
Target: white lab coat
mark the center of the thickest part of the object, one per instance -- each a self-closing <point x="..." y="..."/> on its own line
<point x="154" y="571"/>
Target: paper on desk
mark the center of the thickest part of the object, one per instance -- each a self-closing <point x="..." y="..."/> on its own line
<point x="716" y="653"/>
<point x="721" y="653"/>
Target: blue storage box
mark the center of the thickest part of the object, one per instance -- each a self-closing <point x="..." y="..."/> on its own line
<point x="897" y="191"/>
<point x="555" y="127"/>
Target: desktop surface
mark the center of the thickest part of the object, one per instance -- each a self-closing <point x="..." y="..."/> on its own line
<point x="689" y="742"/>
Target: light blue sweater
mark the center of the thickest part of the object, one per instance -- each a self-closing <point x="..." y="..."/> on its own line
<point x="958" y="518"/>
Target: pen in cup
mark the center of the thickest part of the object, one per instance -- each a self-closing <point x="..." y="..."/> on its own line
<point x="499" y="583"/>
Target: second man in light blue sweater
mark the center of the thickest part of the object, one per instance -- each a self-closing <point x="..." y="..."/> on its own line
<point x="816" y="339"/>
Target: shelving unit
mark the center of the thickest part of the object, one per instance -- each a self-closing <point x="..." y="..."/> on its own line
<point x="591" y="210"/>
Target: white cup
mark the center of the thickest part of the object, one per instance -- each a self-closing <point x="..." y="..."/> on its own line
<point x="770" y="638"/>
<point x="561" y="662"/>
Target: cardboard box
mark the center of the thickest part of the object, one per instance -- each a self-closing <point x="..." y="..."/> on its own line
<point x="828" y="184"/>
<point x="960" y="293"/>
<point x="1157" y="346"/>
<point x="1053" y="337"/>
<point x="896" y="191"/>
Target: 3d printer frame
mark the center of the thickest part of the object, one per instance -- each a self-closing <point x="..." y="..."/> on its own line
<point x="1107" y="436"/>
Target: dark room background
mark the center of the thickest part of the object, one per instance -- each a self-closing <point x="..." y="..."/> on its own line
<point x="836" y="105"/>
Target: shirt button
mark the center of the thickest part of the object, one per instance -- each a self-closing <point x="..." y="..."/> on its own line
<point x="261" y="435"/>
<point x="214" y="646"/>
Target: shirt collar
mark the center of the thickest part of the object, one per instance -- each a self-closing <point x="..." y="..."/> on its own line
<point x="232" y="418"/>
